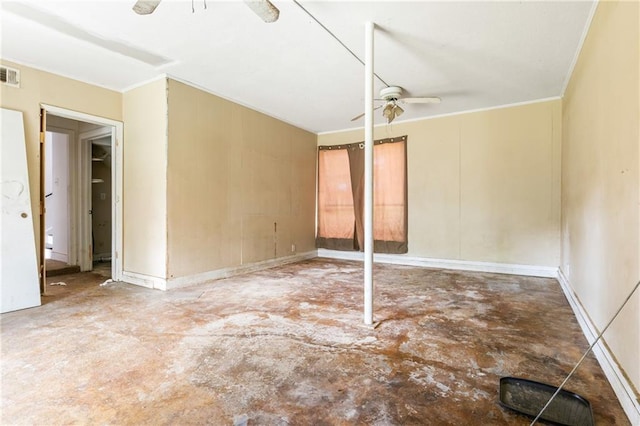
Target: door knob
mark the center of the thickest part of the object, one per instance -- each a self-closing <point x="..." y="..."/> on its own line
<point x="23" y="215"/>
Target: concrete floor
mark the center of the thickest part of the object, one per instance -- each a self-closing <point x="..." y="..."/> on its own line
<point x="285" y="346"/>
<point x="56" y="268"/>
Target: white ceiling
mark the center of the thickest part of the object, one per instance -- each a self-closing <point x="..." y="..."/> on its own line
<point x="473" y="55"/>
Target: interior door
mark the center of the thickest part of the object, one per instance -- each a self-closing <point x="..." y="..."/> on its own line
<point x="19" y="287"/>
<point x="42" y="262"/>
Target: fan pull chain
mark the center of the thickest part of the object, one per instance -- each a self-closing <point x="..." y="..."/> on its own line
<point x="193" y="8"/>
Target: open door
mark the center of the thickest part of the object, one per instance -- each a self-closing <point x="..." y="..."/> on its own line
<point x="41" y="260"/>
<point x="19" y="264"/>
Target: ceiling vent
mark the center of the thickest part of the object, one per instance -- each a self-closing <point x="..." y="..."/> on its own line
<point x="9" y="76"/>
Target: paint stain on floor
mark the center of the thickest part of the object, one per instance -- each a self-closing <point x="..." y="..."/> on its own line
<point x="285" y="346"/>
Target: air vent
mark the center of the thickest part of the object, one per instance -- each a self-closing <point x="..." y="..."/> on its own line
<point x="10" y="76"/>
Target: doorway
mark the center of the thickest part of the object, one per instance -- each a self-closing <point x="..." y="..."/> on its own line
<point x="101" y="220"/>
<point x="97" y="222"/>
<point x="85" y="226"/>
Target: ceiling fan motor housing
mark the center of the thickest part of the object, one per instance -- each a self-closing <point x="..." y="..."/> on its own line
<point x="391" y="92"/>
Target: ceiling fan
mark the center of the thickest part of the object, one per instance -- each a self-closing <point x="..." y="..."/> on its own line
<point x="392" y="96"/>
<point x="263" y="8"/>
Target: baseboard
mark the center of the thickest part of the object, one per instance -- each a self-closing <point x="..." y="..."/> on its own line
<point x="217" y="274"/>
<point x="623" y="389"/>
<point x="97" y="257"/>
<point x="60" y="257"/>
<point x="461" y="265"/>
<point x="144" y="280"/>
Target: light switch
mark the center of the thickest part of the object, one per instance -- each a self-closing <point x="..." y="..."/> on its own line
<point x="103" y="196"/>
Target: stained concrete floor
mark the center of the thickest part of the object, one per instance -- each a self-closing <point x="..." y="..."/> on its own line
<point x="285" y="346"/>
<point x="56" y="268"/>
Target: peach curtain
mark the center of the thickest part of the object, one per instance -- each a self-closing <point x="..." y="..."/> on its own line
<point x="335" y="200"/>
<point x="390" y="197"/>
<point x="343" y="167"/>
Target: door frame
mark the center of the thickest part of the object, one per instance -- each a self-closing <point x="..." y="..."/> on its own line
<point x="85" y="191"/>
<point x="117" y="145"/>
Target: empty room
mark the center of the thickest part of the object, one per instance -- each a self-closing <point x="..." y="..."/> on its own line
<point x="319" y="212"/>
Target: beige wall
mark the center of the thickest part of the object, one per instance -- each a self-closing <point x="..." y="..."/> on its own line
<point x="600" y="178"/>
<point x="145" y="180"/>
<point x="232" y="174"/>
<point x="38" y="87"/>
<point x="483" y="186"/>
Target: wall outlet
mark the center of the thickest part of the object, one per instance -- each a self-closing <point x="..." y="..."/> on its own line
<point x="293" y="248"/>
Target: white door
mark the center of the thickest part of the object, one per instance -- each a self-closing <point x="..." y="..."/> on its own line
<point x="19" y="285"/>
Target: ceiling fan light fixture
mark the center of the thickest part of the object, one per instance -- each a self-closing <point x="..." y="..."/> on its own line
<point x="264" y="9"/>
<point x="387" y="112"/>
<point x="391" y="111"/>
<point x="392" y="97"/>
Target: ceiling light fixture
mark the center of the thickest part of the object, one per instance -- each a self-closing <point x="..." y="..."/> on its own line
<point x="388" y="111"/>
<point x="391" y="111"/>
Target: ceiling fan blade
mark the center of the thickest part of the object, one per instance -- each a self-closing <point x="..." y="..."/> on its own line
<point x="145" y="7"/>
<point x="264" y="9"/>
<point x="429" y="100"/>
<point x="362" y="115"/>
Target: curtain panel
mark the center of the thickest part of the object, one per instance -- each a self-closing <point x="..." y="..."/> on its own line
<point x="341" y="196"/>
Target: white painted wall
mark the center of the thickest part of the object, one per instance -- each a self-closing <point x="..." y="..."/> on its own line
<point x="57" y="185"/>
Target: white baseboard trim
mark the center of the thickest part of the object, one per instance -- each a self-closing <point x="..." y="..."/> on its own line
<point x="461" y="265"/>
<point x="144" y="280"/>
<point x="217" y="274"/>
<point x="60" y="257"/>
<point x="620" y="384"/>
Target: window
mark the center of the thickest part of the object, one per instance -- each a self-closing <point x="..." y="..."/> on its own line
<point x="341" y="196"/>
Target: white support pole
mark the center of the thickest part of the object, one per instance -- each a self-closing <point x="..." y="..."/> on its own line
<point x="368" y="174"/>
